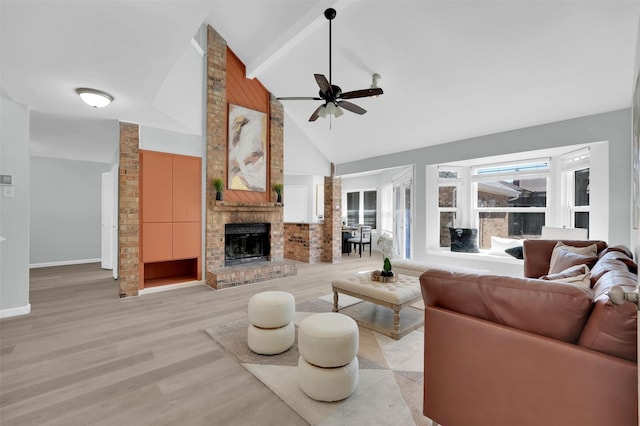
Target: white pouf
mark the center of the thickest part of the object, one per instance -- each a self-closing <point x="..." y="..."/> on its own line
<point x="328" y="384"/>
<point x="271" y="309"/>
<point x="271" y="341"/>
<point x="328" y="339"/>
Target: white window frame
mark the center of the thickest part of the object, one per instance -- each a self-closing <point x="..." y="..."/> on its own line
<point x="476" y="178"/>
<point x="572" y="162"/>
<point x="386" y="208"/>
<point x="458" y="183"/>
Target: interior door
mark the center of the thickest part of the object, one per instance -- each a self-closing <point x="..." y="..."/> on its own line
<point x="107" y="228"/>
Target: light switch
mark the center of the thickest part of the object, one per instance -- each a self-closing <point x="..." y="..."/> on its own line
<point x="7" y="191"/>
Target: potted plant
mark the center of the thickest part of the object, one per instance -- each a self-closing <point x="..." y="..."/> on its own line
<point x="218" y="184"/>
<point x="277" y="187"/>
<point x="386" y="268"/>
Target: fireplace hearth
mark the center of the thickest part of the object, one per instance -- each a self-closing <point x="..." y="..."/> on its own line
<point x="246" y="243"/>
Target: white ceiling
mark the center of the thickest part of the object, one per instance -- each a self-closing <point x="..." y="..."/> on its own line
<point x="451" y="70"/>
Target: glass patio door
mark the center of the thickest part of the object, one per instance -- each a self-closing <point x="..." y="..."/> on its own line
<point x="402" y="195"/>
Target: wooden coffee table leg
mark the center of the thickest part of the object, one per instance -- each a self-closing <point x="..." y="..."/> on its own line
<point x="335" y="301"/>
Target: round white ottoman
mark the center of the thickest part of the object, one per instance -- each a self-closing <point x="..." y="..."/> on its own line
<point x="271" y="309"/>
<point x="328" y="366"/>
<point x="271" y="330"/>
<point x="271" y="341"/>
<point x="328" y="384"/>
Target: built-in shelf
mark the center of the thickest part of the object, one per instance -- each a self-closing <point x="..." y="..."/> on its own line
<point x="170" y="272"/>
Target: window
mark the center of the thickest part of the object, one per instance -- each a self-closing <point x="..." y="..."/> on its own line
<point x="511" y="200"/>
<point x="575" y="169"/>
<point x="362" y="208"/>
<point x="386" y="208"/>
<point x="449" y="194"/>
<point x="515" y="195"/>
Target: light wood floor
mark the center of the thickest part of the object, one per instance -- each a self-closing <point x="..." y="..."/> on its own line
<point x="85" y="357"/>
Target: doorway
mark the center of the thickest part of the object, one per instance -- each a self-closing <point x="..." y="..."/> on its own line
<point x="403" y="214"/>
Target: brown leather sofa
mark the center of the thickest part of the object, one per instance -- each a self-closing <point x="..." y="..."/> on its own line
<point x="525" y="351"/>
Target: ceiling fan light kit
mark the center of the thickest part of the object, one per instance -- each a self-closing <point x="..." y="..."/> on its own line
<point x="332" y="95"/>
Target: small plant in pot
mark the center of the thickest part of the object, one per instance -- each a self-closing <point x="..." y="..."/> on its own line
<point x="386" y="268"/>
<point x="277" y="187"/>
<point x="218" y="184"/>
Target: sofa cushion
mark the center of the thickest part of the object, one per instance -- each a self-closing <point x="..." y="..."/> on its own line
<point x="499" y="244"/>
<point x="565" y="259"/>
<point x="610" y="260"/>
<point x="517" y="252"/>
<point x="612" y="328"/>
<point x="537" y="254"/>
<point x="562" y="256"/>
<point x="551" y="309"/>
<point x="577" y="274"/>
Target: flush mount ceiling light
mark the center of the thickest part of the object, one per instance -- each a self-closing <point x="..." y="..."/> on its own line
<point x="93" y="97"/>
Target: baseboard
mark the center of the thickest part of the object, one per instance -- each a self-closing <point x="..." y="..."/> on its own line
<point x="150" y="290"/>
<point x="14" y="312"/>
<point x="63" y="263"/>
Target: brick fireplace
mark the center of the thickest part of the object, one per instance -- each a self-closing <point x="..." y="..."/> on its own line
<point x="223" y="213"/>
<point x="227" y="84"/>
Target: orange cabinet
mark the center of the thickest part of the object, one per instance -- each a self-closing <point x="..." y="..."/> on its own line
<point x="170" y="201"/>
<point x="186" y="240"/>
<point x="157" y="183"/>
<point x="186" y="189"/>
<point x="157" y="242"/>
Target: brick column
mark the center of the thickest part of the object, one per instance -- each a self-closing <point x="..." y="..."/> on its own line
<point x="216" y="143"/>
<point x="332" y="247"/>
<point x="129" y="211"/>
<point x="276" y="173"/>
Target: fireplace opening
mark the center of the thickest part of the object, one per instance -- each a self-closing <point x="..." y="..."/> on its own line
<point x="246" y="243"/>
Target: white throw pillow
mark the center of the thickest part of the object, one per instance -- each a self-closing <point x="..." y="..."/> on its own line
<point x="578" y="275"/>
<point x="499" y="245"/>
<point x="591" y="250"/>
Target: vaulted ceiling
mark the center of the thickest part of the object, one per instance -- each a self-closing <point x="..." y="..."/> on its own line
<point x="450" y="70"/>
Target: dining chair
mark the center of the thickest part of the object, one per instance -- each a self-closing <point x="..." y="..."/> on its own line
<point x="362" y="239"/>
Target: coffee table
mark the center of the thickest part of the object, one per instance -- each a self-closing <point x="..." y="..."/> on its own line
<point x="396" y="296"/>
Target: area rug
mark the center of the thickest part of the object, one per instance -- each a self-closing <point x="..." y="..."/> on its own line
<point x="389" y="390"/>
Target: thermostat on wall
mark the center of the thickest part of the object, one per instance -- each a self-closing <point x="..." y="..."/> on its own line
<point x="6" y="179"/>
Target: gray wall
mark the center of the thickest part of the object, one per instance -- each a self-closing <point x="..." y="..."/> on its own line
<point x="65" y="210"/>
<point x="14" y="212"/>
<point x="614" y="127"/>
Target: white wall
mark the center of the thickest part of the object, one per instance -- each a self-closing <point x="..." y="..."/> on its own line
<point x="613" y="127"/>
<point x="301" y="157"/>
<point x="300" y="198"/>
<point x="153" y="139"/>
<point x="14" y="212"/>
<point x="65" y="206"/>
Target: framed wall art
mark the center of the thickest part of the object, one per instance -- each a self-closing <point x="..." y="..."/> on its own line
<point x="247" y="149"/>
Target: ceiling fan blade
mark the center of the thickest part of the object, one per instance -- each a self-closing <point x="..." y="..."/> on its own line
<point x="315" y="114"/>
<point x="298" y="98"/>
<point x="361" y="93"/>
<point x="351" y="107"/>
<point x="323" y="83"/>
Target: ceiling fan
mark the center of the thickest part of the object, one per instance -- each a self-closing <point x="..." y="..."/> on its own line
<point x="332" y="95"/>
